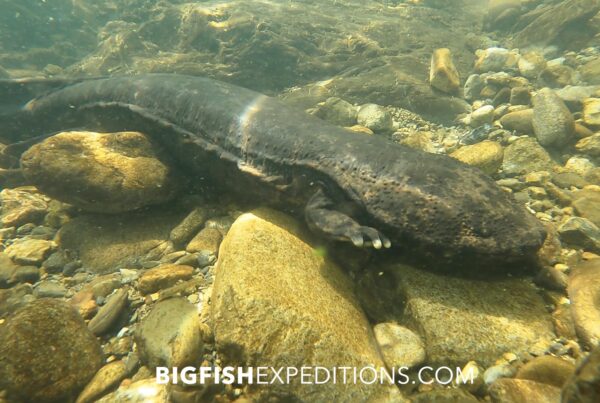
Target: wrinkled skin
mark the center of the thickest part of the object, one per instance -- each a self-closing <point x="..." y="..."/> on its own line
<point x="348" y="186"/>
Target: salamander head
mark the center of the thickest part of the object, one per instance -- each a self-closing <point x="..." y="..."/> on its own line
<point x="453" y="214"/>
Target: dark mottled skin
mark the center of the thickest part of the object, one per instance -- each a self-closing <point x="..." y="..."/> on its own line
<point x="430" y="206"/>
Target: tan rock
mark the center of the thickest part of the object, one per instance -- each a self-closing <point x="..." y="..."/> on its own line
<point x="208" y="239"/>
<point x="22" y="205"/>
<point x="486" y="155"/>
<point x="584" y="292"/>
<point x="547" y="369"/>
<point x="581" y="131"/>
<point x="30" y="251"/>
<point x="507" y="390"/>
<point x="163" y="277"/>
<point x="101" y="172"/>
<point x="105" y="379"/>
<point x="591" y="111"/>
<point x="400" y="346"/>
<point x="287" y="297"/>
<point x="520" y="121"/>
<point x="481" y="319"/>
<point x="360" y="129"/>
<point x="442" y="72"/>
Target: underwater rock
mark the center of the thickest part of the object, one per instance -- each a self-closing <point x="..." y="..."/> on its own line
<point x="584" y="292"/>
<point x="582" y="131"/>
<point x="590" y="71"/>
<point x="473" y="86"/>
<point x="104" y="243"/>
<point x="553" y="123"/>
<point x="139" y="391"/>
<point x="519" y="390"/>
<point x="30" y="251"/>
<point x="531" y="64"/>
<point x="271" y="326"/>
<point x="47" y="354"/>
<point x="7" y="270"/>
<point x="336" y="111"/>
<point x="519" y="121"/>
<point x="101" y="172"/>
<point x="556" y="75"/>
<point x="375" y="117"/>
<point x="189" y="226"/>
<point x="591" y="111"/>
<point x="494" y="59"/>
<point x="526" y="155"/>
<point x="486" y="156"/>
<point x="162" y="277"/>
<point x="22" y="205"/>
<point x="520" y="96"/>
<point x="482" y="116"/>
<point x="587" y="204"/>
<point x="49" y="289"/>
<point x="448" y="395"/>
<point x="547" y="369"/>
<point x="171" y="335"/>
<point x="208" y="239"/>
<point x="482" y="319"/>
<point x="554" y="21"/>
<point x="574" y="95"/>
<point x="584" y="386"/>
<point x="581" y="233"/>
<point x="579" y="165"/>
<point x="442" y="72"/>
<point x="109" y="312"/>
<point x="400" y="347"/>
<point x="107" y="378"/>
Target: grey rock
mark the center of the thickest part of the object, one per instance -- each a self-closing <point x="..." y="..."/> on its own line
<point x="375" y="117"/>
<point x="47" y="353"/>
<point x="473" y="86"/>
<point x="553" y="123"/>
<point x="573" y="95"/>
<point x="171" y="335"/>
<point x="336" y="111"/>
<point x="581" y="233"/>
<point x="50" y="289"/>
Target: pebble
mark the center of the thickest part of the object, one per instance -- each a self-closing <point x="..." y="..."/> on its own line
<point x="109" y="312"/>
<point x="526" y="155"/>
<point x="473" y="86"/>
<point x="492" y="59"/>
<point x="21" y="206"/>
<point x="375" y="117"/>
<point x="579" y="165"/>
<point x="162" y="277"/>
<point x="401" y="347"/>
<point x="84" y="302"/>
<point x="553" y="123"/>
<point x="106" y="379"/>
<point x="531" y="64"/>
<point x="520" y="96"/>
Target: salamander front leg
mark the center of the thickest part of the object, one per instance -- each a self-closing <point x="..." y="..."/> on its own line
<point x="336" y="225"/>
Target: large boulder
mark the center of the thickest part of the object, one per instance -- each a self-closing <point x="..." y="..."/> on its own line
<point x="277" y="302"/>
<point x="47" y="354"/>
<point x="482" y="319"/>
<point x="101" y="172"/>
